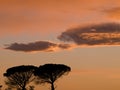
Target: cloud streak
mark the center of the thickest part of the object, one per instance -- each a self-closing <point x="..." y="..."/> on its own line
<point x="32" y="16"/>
<point x="91" y="35"/>
<point x="113" y="12"/>
<point x="38" y="46"/>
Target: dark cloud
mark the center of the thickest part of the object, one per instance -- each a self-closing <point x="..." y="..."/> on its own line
<point x="37" y="46"/>
<point x="64" y="46"/>
<point x="98" y="34"/>
<point x="91" y="35"/>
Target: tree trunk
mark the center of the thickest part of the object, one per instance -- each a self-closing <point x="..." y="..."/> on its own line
<point x="52" y="86"/>
<point x="23" y="88"/>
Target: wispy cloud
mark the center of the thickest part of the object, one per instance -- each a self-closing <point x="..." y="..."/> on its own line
<point x="32" y="16"/>
<point x="38" y="46"/>
<point x="91" y="35"/>
<point x="113" y="12"/>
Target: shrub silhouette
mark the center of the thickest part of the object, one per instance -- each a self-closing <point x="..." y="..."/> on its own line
<point x="49" y="73"/>
<point x="19" y="76"/>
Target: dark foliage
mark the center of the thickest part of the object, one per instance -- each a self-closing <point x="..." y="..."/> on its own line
<point x="49" y="73"/>
<point x="19" y="76"/>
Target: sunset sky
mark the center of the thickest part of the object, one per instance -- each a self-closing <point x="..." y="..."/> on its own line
<point x="83" y="34"/>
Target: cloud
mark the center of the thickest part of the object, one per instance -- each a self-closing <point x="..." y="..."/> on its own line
<point x="37" y="46"/>
<point x="91" y="35"/>
<point x="64" y="46"/>
<point x="104" y="34"/>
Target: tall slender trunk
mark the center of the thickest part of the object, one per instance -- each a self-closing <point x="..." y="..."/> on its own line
<point x="23" y="88"/>
<point x="52" y="86"/>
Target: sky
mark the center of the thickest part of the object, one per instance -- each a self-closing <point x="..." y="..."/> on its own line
<point x="83" y="34"/>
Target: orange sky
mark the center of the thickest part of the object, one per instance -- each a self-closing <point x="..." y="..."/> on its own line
<point x="53" y="16"/>
<point x="24" y="21"/>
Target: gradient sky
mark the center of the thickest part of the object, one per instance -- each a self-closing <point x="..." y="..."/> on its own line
<point x="27" y="23"/>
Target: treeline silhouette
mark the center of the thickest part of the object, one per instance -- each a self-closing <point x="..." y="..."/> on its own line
<point x="19" y="77"/>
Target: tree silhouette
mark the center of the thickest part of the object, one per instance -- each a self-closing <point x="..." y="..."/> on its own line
<point x="49" y="73"/>
<point x="19" y="76"/>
